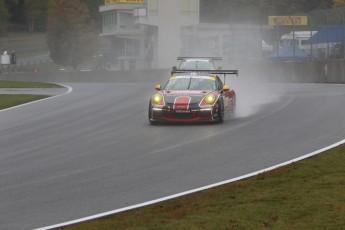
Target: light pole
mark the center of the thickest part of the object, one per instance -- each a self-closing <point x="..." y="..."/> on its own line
<point x="311" y="34"/>
<point x="293" y="37"/>
<point x="9" y="42"/>
<point x="343" y="19"/>
<point x="327" y="36"/>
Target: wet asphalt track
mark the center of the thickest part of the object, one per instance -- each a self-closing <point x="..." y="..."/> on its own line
<point x="93" y="151"/>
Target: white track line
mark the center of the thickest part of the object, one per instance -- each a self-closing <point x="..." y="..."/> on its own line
<point x="69" y="90"/>
<point x="191" y="191"/>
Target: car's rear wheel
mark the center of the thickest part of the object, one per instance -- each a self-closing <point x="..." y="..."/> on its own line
<point x="233" y="106"/>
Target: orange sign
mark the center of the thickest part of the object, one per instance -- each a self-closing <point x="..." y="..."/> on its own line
<point x="108" y="2"/>
<point x="288" y="20"/>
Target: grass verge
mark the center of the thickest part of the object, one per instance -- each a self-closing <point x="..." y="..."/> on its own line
<point x="22" y="84"/>
<point x="304" y="195"/>
<point x="10" y="100"/>
<point x="24" y="43"/>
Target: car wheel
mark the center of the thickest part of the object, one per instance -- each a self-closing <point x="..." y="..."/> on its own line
<point x="233" y="106"/>
<point x="221" y="112"/>
<point x="150" y="115"/>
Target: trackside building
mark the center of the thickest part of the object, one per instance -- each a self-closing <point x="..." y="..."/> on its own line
<point x="146" y="33"/>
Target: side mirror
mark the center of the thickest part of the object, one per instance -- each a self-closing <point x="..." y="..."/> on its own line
<point x="158" y="87"/>
<point x="226" y="88"/>
<point x="174" y="68"/>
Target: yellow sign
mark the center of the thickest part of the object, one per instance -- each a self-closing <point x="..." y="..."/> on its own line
<point x="288" y="20"/>
<point x="108" y="2"/>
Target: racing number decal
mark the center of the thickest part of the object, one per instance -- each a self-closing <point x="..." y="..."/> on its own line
<point x="182" y="103"/>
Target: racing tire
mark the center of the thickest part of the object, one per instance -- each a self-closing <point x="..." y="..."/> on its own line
<point x="150" y="114"/>
<point x="221" y="112"/>
<point x="233" y="108"/>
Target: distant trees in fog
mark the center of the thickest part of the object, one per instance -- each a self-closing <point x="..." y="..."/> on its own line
<point x="338" y="3"/>
<point x="33" y="14"/>
<point x="3" y="16"/>
<point x="71" y="33"/>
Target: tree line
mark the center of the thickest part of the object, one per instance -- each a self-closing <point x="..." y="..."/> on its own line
<point x="32" y="15"/>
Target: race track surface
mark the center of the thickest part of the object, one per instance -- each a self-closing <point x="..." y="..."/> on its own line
<point x="93" y="150"/>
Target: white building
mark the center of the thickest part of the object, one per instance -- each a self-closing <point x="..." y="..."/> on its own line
<point x="146" y="33"/>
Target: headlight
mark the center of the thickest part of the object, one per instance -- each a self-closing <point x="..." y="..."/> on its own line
<point x="157" y="99"/>
<point x="210" y="99"/>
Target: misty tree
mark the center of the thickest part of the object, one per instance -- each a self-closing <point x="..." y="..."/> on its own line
<point x="3" y="17"/>
<point x="71" y="33"/>
<point x="338" y="3"/>
<point x="94" y="8"/>
<point x="35" y="11"/>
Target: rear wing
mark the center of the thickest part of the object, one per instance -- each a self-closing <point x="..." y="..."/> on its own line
<point x="222" y="72"/>
<point x="211" y="58"/>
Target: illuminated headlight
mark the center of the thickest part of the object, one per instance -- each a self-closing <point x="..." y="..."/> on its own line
<point x="157" y="99"/>
<point x="210" y="99"/>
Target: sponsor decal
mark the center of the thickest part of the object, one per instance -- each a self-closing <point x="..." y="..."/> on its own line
<point x="193" y="77"/>
<point x="186" y="92"/>
<point x="108" y="2"/>
<point x="182" y="111"/>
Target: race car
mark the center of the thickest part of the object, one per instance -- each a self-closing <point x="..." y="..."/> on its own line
<point x="193" y="96"/>
<point x="197" y="63"/>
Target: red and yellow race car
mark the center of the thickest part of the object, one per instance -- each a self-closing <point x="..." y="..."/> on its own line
<point x="193" y="96"/>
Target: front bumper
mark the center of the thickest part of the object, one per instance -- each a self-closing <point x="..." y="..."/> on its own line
<point x="195" y="115"/>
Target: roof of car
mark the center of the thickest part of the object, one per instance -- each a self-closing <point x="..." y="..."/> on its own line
<point x="199" y="58"/>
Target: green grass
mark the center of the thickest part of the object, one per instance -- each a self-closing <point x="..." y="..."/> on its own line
<point x="23" y="84"/>
<point x="304" y="195"/>
<point x="28" y="44"/>
<point x="10" y="100"/>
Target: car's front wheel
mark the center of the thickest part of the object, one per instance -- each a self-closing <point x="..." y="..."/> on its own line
<point x="150" y="114"/>
<point x="220" y="111"/>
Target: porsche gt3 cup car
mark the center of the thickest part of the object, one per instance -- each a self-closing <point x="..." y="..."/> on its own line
<point x="197" y="63"/>
<point x="190" y="96"/>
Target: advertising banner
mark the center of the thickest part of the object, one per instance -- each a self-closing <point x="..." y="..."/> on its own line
<point x="288" y="20"/>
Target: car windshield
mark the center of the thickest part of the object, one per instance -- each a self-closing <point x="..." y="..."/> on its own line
<point x="191" y="83"/>
<point x="197" y="64"/>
